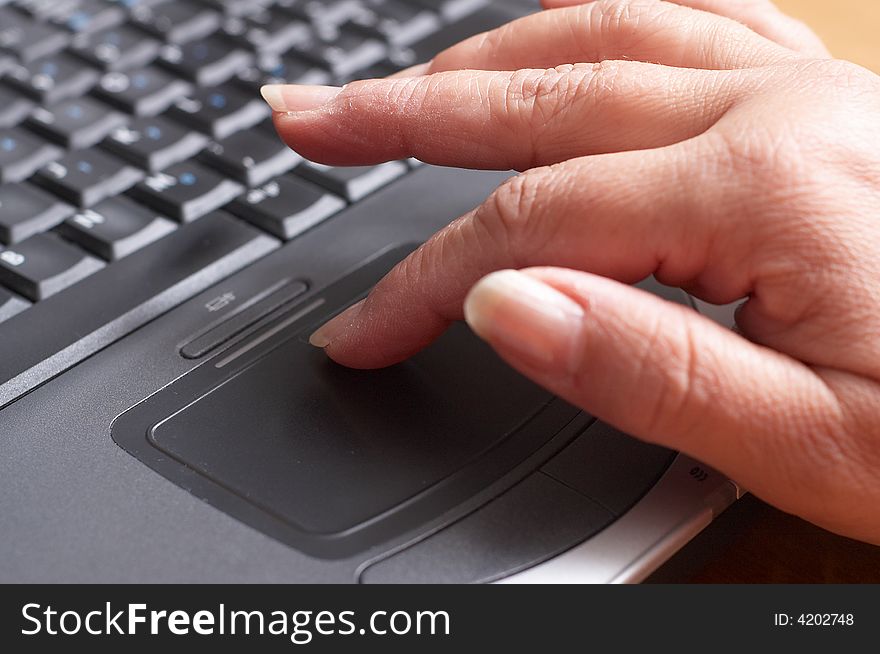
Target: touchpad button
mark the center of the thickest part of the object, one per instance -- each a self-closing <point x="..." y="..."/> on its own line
<point x="326" y="448"/>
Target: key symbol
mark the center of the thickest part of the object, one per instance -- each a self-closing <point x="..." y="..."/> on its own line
<point x="12" y="258"/>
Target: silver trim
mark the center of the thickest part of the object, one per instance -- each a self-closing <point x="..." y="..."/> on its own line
<point x="672" y="513"/>
<point x="675" y="510"/>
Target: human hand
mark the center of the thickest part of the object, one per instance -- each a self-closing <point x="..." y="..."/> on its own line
<point x="731" y="164"/>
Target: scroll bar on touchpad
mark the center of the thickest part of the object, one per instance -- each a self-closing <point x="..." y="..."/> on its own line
<point x="327" y="303"/>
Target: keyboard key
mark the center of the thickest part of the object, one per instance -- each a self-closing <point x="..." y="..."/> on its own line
<point x="287" y="206"/>
<point x="21" y="153"/>
<point x="43" y="265"/>
<point x="26" y="210"/>
<point x="88" y="16"/>
<point x="76" y="123"/>
<point x="327" y="13"/>
<point x="11" y="304"/>
<point x="236" y="7"/>
<point x="54" y="78"/>
<point x="453" y="10"/>
<point x="14" y="107"/>
<point x="470" y="17"/>
<point x="177" y="21"/>
<point x="251" y="157"/>
<point x="143" y="92"/>
<point x="342" y="51"/>
<point x="115" y="228"/>
<point x="206" y="62"/>
<point x="155" y="143"/>
<point x="123" y="296"/>
<point x="186" y="191"/>
<point x="267" y="31"/>
<point x="28" y="39"/>
<point x="85" y="178"/>
<point x="352" y="182"/>
<point x="117" y="48"/>
<point x="281" y="69"/>
<point x="220" y="111"/>
<point x="396" y="22"/>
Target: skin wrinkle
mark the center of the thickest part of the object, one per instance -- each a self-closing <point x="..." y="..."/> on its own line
<point x="740" y="189"/>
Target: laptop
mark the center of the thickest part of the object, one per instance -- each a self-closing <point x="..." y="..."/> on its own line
<point x="163" y="259"/>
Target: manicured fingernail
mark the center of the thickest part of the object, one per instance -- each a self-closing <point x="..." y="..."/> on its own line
<point x="288" y="98"/>
<point x="327" y="333"/>
<point x="525" y="316"/>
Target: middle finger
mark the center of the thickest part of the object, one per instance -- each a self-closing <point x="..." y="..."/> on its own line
<point x="642" y="30"/>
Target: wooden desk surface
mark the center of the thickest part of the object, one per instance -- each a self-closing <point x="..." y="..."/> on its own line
<point x="751" y="541"/>
<point x="848" y="27"/>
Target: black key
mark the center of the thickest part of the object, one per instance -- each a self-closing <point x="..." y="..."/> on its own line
<point x="89" y="16"/>
<point x="186" y="191"/>
<point x="115" y="228"/>
<point x="29" y="39"/>
<point x="76" y="123"/>
<point x="85" y="178"/>
<point x="125" y="295"/>
<point x="236" y="7"/>
<point x="21" y="153"/>
<point x="342" y="51"/>
<point x="11" y="304"/>
<point x="287" y="206"/>
<point x="279" y="69"/>
<point x="352" y="182"/>
<point x="220" y="111"/>
<point x="177" y="21"/>
<point x="453" y="10"/>
<point x="377" y="71"/>
<point x="25" y="211"/>
<point x="143" y="92"/>
<point x="43" y="265"/>
<point x="155" y="143"/>
<point x="474" y="22"/>
<point x="54" y="78"/>
<point x="206" y="62"/>
<point x="14" y="107"/>
<point x="267" y="31"/>
<point x="117" y="48"/>
<point x="326" y="13"/>
<point x="251" y="157"/>
<point x="396" y="22"/>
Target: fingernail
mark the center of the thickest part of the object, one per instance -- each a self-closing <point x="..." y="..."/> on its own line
<point x="327" y="333"/>
<point x="522" y="314"/>
<point x="289" y="98"/>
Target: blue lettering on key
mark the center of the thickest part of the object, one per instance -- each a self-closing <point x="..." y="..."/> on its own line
<point x="153" y="133"/>
<point x="187" y="179"/>
<point x="84" y="167"/>
<point x="217" y="100"/>
<point x="78" y="21"/>
<point x="139" y="81"/>
<point x="49" y="69"/>
<point x="8" y="144"/>
<point x="74" y="111"/>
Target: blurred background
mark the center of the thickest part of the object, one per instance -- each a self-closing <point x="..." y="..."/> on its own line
<point x="849" y="27"/>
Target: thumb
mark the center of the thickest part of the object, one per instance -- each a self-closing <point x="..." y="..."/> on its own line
<point x="664" y="373"/>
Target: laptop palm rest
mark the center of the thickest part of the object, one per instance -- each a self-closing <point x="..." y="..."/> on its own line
<point x="332" y="460"/>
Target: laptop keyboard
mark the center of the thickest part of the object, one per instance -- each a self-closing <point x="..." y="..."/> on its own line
<point x="132" y="132"/>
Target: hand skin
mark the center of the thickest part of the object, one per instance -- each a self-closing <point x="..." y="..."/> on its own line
<point x="712" y="143"/>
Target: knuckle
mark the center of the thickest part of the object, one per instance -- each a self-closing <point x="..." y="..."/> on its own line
<point x="510" y="214"/>
<point x="677" y="390"/>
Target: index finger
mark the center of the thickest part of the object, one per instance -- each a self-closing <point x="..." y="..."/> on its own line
<point x="607" y="226"/>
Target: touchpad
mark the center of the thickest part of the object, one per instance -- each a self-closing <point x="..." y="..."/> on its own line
<point x="334" y="460"/>
<point x="329" y="448"/>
